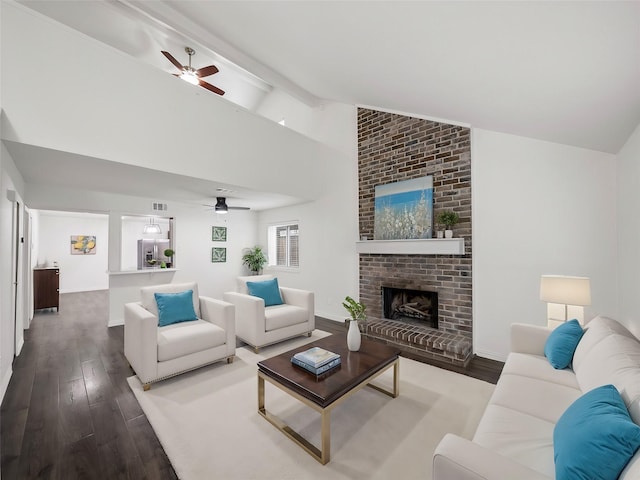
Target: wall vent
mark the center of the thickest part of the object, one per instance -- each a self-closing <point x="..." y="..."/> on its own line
<point x="159" y="207"/>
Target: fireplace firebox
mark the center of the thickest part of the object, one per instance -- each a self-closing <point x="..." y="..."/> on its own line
<point x="411" y="306"/>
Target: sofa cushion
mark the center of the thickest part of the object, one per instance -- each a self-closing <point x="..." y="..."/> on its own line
<point x="532" y="396"/>
<point x="241" y="282"/>
<point x="597" y="329"/>
<point x="279" y="316"/>
<point x="614" y="360"/>
<point x="537" y="366"/>
<point x="182" y="339"/>
<point x="595" y="437"/>
<point x="175" y="307"/>
<point x="562" y="342"/>
<point x="523" y="438"/>
<point x="148" y="300"/>
<point x="267" y="290"/>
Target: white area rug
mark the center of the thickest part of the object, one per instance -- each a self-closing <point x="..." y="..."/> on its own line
<point x="208" y="424"/>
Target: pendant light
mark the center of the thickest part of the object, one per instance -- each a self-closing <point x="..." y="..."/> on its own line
<point x="151" y="227"/>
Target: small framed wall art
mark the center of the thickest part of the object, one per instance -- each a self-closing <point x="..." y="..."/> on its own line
<point x="83" y="244"/>
<point x="218" y="255"/>
<point x="219" y="234"/>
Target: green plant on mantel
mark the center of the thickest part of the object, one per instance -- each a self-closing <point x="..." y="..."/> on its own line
<point x="448" y="218"/>
<point x="254" y="259"/>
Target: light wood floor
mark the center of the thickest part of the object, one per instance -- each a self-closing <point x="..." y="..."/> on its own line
<point x="69" y="413"/>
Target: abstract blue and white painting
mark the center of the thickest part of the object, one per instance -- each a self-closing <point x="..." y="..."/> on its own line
<point x="404" y="210"/>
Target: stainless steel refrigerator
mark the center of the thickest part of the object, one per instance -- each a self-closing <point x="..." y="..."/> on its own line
<point x="151" y="253"/>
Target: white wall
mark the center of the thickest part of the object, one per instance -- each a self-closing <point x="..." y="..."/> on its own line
<point x="538" y="208"/>
<point x="628" y="199"/>
<point x="328" y="225"/>
<point x="78" y="273"/>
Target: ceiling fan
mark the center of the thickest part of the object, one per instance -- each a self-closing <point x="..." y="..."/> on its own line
<point x="191" y="75"/>
<point x="222" y="207"/>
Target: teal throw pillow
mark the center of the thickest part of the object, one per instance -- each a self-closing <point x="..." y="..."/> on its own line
<point x="595" y="437"/>
<point x="562" y="343"/>
<point x="175" y="308"/>
<point x="267" y="290"/>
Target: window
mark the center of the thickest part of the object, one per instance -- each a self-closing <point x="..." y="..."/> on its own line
<point x="283" y="245"/>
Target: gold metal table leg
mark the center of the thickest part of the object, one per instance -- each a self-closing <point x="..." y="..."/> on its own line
<point x="326" y="436"/>
<point x="322" y="454"/>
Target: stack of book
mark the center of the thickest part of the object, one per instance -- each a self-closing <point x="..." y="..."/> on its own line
<point x="316" y="360"/>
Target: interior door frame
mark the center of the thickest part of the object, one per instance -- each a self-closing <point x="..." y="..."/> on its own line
<point x="17" y="273"/>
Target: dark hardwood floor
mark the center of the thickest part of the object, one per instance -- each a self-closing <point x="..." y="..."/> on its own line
<point x="68" y="412"/>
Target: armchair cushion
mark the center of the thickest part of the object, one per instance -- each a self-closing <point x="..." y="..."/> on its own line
<point x="280" y="316"/>
<point x="267" y="290"/>
<point x="242" y="282"/>
<point x="148" y="299"/>
<point x="182" y="339"/>
<point x="175" y="307"/>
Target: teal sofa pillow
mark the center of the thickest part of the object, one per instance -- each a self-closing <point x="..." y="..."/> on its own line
<point x="595" y="437"/>
<point x="267" y="290"/>
<point x="561" y="344"/>
<point x="175" y="308"/>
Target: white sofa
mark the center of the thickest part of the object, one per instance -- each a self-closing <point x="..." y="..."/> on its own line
<point x="514" y="439"/>
<point x="156" y="353"/>
<point x="260" y="326"/>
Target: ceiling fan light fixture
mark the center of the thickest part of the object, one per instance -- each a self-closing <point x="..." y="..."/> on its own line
<point x="221" y="205"/>
<point x="190" y="77"/>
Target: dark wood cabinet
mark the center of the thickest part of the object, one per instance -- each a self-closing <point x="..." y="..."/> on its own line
<point x="46" y="288"/>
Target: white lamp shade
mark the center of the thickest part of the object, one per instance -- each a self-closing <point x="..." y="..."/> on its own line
<point x="566" y="290"/>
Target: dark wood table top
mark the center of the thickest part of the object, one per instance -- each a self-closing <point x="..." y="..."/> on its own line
<point x="355" y="367"/>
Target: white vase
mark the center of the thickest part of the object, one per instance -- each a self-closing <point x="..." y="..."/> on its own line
<point x="353" y="336"/>
<point x="448" y="234"/>
<point x="440" y="234"/>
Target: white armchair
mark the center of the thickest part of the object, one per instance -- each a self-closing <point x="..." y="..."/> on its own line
<point x="260" y="326"/>
<point x="156" y="353"/>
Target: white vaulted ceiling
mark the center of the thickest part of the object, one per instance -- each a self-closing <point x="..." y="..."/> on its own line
<point x="567" y="72"/>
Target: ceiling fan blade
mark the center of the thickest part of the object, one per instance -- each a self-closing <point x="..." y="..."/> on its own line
<point x="211" y="88"/>
<point x="238" y="208"/>
<point x="172" y="60"/>
<point x="206" y="71"/>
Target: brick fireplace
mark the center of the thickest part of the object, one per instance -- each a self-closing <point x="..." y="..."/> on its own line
<point x="393" y="148"/>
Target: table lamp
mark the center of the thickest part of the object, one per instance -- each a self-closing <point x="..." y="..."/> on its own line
<point x="565" y="294"/>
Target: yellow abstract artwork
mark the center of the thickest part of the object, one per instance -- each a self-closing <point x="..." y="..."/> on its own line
<point x="83" y="245"/>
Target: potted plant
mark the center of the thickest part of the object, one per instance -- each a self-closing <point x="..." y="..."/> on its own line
<point x="254" y="259"/>
<point x="357" y="322"/>
<point x="169" y="254"/>
<point x="448" y="218"/>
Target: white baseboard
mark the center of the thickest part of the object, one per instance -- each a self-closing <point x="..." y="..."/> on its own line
<point x="19" y="347"/>
<point x="96" y="289"/>
<point x="330" y="316"/>
<point x="115" y="322"/>
<point x="491" y="355"/>
<point x="5" y="382"/>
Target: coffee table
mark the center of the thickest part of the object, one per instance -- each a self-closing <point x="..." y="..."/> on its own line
<point x="325" y="393"/>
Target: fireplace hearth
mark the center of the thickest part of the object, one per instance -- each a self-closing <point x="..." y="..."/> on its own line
<point x="418" y="307"/>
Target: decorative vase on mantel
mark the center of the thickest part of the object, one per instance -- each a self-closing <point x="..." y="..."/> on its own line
<point x="353" y="336"/>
